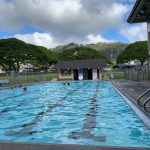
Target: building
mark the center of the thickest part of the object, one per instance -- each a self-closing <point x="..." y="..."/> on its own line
<point x="80" y="69"/>
<point x="141" y="13"/>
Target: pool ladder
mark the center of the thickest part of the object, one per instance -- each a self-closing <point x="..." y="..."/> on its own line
<point x="146" y="104"/>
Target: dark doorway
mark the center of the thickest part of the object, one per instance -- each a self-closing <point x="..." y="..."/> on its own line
<point x="98" y="73"/>
<point x="85" y="74"/>
<point x="76" y="74"/>
<point x="90" y="77"/>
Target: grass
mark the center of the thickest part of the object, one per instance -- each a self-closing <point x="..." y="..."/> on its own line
<point x="118" y="74"/>
<point x="29" y="78"/>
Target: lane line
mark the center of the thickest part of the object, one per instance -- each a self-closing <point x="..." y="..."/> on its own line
<point x="27" y="128"/>
<point x="7" y="109"/>
<point x="89" y="122"/>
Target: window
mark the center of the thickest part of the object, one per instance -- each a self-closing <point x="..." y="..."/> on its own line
<point x="62" y="72"/>
<point x="65" y="72"/>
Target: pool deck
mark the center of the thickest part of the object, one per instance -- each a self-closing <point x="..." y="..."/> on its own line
<point x="132" y="89"/>
<point x="29" y="146"/>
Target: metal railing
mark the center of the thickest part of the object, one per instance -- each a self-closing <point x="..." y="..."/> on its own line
<point x="146" y="104"/>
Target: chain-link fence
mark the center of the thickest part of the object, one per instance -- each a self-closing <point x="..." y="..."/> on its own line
<point x="129" y="72"/>
<point x="16" y="78"/>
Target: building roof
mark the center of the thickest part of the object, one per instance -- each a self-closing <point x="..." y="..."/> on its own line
<point x="92" y="63"/>
<point x="140" y="12"/>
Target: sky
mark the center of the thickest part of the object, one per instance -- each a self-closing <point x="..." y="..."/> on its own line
<point x="51" y="23"/>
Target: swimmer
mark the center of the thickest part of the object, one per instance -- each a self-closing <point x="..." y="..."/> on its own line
<point x="20" y="85"/>
<point x="25" y="89"/>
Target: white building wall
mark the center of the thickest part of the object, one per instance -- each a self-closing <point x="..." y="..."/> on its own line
<point x="94" y="71"/>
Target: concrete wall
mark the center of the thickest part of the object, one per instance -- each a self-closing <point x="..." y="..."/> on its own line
<point x="65" y="77"/>
<point x="100" y="74"/>
<point x="94" y="73"/>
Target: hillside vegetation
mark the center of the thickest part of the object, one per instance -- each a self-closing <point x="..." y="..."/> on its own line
<point x="110" y="50"/>
<point x="80" y="53"/>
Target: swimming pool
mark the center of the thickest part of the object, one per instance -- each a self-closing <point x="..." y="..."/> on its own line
<point x="90" y="113"/>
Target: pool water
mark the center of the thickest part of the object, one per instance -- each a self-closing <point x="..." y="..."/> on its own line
<point x="88" y="113"/>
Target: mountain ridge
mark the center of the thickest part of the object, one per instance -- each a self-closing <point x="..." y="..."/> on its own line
<point x="110" y="50"/>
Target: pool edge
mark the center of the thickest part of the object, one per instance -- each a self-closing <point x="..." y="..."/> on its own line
<point x="42" y="146"/>
<point x="137" y="110"/>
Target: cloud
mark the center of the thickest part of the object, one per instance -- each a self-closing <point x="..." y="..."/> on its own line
<point x="47" y="40"/>
<point x="41" y="39"/>
<point x="64" y="21"/>
<point x="135" y="33"/>
<point x="62" y="17"/>
<point x="96" y="38"/>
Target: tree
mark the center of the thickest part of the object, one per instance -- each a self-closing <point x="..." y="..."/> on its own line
<point x="134" y="51"/>
<point x="12" y="53"/>
<point x="41" y="57"/>
<point x="79" y="53"/>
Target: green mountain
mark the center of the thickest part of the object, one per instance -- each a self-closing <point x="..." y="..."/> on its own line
<point x="80" y="53"/>
<point x="61" y="48"/>
<point x="109" y="50"/>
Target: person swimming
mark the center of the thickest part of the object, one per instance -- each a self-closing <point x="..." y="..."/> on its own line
<point x="20" y="85"/>
<point x="66" y="83"/>
<point x="25" y="89"/>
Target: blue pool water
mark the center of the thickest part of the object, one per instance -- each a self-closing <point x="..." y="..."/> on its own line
<point x="81" y="113"/>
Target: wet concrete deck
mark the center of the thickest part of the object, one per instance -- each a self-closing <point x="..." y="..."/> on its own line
<point x="133" y="89"/>
<point x="29" y="146"/>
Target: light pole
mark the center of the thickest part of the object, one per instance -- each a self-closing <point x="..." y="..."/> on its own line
<point x="111" y="61"/>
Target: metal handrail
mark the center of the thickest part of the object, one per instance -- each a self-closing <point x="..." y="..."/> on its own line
<point x="145" y="105"/>
<point x="143" y="94"/>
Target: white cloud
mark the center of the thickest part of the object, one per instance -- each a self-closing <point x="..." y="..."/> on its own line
<point x="135" y="33"/>
<point x="47" y="40"/>
<point x="67" y="21"/>
<point x="41" y="39"/>
<point x="96" y="38"/>
<point x="63" y="18"/>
